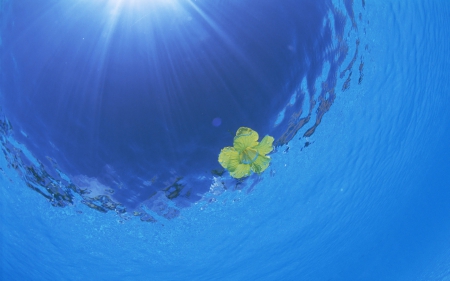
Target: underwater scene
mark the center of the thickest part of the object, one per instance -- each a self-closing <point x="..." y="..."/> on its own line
<point x="224" y="140"/>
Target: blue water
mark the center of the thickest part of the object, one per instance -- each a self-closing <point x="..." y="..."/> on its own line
<point x="367" y="199"/>
<point x="122" y="97"/>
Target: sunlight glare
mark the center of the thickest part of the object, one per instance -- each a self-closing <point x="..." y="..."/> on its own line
<point x="138" y="3"/>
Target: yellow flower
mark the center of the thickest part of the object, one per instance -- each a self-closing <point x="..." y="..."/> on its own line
<point x="247" y="154"/>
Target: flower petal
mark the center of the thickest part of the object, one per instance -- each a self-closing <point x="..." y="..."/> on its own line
<point x="261" y="163"/>
<point x="245" y="137"/>
<point x="248" y="156"/>
<point x="229" y="158"/>
<point x="242" y="170"/>
<point x="265" y="146"/>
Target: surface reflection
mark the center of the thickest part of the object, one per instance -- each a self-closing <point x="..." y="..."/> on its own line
<point x="127" y="106"/>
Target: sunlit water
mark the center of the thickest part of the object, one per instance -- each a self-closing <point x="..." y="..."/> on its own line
<point x="127" y="104"/>
<point x="368" y="199"/>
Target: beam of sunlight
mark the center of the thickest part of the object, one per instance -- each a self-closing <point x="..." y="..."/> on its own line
<point x="140" y="3"/>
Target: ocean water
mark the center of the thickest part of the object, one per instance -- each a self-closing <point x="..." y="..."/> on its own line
<point x="364" y="197"/>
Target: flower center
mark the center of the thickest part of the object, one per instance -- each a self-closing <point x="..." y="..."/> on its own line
<point x="248" y="155"/>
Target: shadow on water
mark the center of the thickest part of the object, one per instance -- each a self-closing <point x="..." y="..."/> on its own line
<point x="126" y="107"/>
